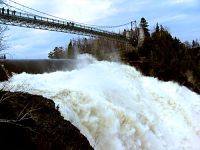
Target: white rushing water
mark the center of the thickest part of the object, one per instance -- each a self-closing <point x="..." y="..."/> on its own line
<point x="117" y="108"/>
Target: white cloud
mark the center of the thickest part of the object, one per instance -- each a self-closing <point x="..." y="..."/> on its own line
<point x="182" y="1"/>
<point x="84" y="11"/>
<point x="166" y="19"/>
<point x="75" y="10"/>
<point x="175" y="14"/>
<point x="87" y="10"/>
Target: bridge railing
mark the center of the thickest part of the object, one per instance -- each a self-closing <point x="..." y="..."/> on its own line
<point x="33" y="17"/>
<point x="16" y="18"/>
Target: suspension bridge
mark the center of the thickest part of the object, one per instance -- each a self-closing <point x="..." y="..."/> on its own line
<point x="22" y="18"/>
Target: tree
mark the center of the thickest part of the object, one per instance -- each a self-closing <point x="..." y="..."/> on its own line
<point x="144" y="25"/>
<point x="2" y="41"/>
<point x="157" y="28"/>
<point x="195" y="44"/>
<point x="156" y="34"/>
<point x="2" y="31"/>
<point x="70" y="50"/>
<point x="57" y="53"/>
<point x="187" y="44"/>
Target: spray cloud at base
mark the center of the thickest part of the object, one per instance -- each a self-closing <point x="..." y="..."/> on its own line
<point x="117" y="108"/>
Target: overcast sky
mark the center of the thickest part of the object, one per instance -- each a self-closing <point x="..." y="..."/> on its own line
<point x="181" y="17"/>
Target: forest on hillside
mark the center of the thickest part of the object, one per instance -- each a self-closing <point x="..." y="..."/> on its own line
<point x="161" y="55"/>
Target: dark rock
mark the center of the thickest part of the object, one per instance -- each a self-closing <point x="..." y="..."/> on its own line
<point x="30" y="122"/>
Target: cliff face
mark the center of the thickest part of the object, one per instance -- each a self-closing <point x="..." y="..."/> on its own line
<point x="32" y="122"/>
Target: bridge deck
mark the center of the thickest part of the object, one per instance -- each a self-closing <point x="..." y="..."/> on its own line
<point x="15" y="18"/>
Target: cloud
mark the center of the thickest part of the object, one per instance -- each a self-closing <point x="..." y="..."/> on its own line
<point x="182" y="1"/>
<point x="178" y="15"/>
<point x="85" y="11"/>
<point x="165" y="19"/>
<point x="75" y="10"/>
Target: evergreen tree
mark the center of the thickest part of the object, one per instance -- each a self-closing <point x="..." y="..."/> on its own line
<point x="157" y="28"/>
<point x="70" y="51"/>
<point x="4" y="56"/>
<point x="57" y="53"/>
<point x="144" y="25"/>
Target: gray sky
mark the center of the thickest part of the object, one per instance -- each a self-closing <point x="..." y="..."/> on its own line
<point x="181" y="17"/>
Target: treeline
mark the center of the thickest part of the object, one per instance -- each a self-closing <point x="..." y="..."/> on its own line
<point x="100" y="48"/>
<point x="170" y="59"/>
<point x="160" y="55"/>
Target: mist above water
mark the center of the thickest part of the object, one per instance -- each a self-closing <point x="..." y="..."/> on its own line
<point x="117" y="108"/>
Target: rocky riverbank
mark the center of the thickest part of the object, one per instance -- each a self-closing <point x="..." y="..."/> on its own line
<point x="30" y="122"/>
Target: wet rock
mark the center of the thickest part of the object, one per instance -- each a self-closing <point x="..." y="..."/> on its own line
<point x="32" y="122"/>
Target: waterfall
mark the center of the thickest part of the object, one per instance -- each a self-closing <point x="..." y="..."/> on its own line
<point x="117" y="108"/>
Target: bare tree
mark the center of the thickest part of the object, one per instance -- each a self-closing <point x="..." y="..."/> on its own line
<point x="2" y="38"/>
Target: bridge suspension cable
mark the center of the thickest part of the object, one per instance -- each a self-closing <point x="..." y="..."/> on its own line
<point x="8" y="5"/>
<point x="115" y="26"/>
<point x="49" y="15"/>
<point x="31" y="20"/>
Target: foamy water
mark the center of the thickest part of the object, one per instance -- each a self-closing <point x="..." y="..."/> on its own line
<point x="117" y="108"/>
